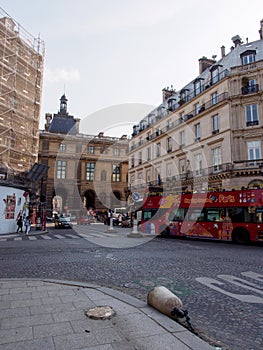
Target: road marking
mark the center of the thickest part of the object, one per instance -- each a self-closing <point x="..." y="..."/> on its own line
<point x="253" y="275"/>
<point x="241" y="283"/>
<point x="247" y="298"/>
<point x="46" y="237"/>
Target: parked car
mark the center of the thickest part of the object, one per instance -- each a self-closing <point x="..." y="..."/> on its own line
<point x="85" y="220"/>
<point x="62" y="222"/>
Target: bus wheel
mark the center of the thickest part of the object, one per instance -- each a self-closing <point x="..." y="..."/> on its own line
<point x="165" y="231"/>
<point x="240" y="236"/>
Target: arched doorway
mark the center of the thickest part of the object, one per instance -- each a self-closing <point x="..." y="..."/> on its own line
<point x="89" y="199"/>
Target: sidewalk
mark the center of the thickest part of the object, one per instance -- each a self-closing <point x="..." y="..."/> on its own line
<point x="50" y="315"/>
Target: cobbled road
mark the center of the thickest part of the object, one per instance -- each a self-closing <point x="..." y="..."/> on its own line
<point x="220" y="284"/>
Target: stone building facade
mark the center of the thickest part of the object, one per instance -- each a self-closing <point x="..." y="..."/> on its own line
<point x="85" y="171"/>
<point x="208" y="134"/>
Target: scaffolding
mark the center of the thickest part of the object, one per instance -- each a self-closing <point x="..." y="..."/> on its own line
<point x="21" y="76"/>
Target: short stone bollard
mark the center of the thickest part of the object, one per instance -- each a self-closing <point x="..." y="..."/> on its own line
<point x="166" y="302"/>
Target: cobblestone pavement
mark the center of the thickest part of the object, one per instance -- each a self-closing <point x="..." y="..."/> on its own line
<point x="220" y="284"/>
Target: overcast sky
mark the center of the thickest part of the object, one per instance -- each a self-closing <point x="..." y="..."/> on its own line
<point x="112" y="58"/>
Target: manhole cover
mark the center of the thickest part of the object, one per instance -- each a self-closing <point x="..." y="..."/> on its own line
<point x="100" y="313"/>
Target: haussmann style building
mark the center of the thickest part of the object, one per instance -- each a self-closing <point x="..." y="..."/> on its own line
<point x="208" y="134"/>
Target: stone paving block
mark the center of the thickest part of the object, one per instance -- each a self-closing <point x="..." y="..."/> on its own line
<point x="4" y="305"/>
<point x="119" y="307"/>
<point x="75" y="341"/>
<point x="89" y="324"/>
<point x="62" y="292"/>
<point x="84" y="304"/>
<point x="193" y="341"/>
<point x="46" y="309"/>
<point x="14" y="284"/>
<point x="26" y="321"/>
<point x="37" y="294"/>
<point x="51" y="301"/>
<point x="50" y="330"/>
<point x="98" y="347"/>
<point x="38" y="283"/>
<point x="24" y="303"/>
<point x="69" y="316"/>
<point x="76" y="298"/>
<point x="48" y="287"/>
<point x="4" y="291"/>
<point x="159" y="342"/>
<point x="107" y="335"/>
<point x="137" y="325"/>
<point x="94" y="294"/>
<point x="37" y="344"/>
<point x="123" y="297"/>
<point x="12" y="335"/>
<point x="20" y="290"/>
<point x="21" y="296"/>
<point x="19" y="312"/>
<point x="122" y="345"/>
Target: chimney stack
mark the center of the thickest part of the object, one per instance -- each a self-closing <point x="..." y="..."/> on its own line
<point x="205" y="63"/>
<point x="77" y="122"/>
<point x="261" y="30"/>
<point x="236" y="40"/>
<point x="223" y="51"/>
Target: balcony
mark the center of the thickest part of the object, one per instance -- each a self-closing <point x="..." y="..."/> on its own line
<point x="245" y="90"/>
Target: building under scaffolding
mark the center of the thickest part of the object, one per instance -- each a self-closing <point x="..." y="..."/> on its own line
<point x="21" y="75"/>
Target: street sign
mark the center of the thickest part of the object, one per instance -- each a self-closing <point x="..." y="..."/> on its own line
<point x="135" y="196"/>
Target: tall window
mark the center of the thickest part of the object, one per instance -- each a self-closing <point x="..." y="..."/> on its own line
<point x="197" y="107"/>
<point x="116" y="152"/>
<point x="61" y="169"/>
<point x="217" y="159"/>
<point x="90" y="149"/>
<point x="215" y="124"/>
<point x="116" y="173"/>
<point x="197" y="87"/>
<point x="62" y="147"/>
<point x="90" y="170"/>
<point x="140" y="158"/>
<point x="215" y="75"/>
<point x="197" y="132"/>
<point x="254" y="151"/>
<point x="148" y="151"/>
<point x="132" y="161"/>
<point x="169" y="144"/>
<point x="182" y="138"/>
<point x="214" y="98"/>
<point x="252" y="114"/>
<point x="198" y="164"/>
<point x="158" y="149"/>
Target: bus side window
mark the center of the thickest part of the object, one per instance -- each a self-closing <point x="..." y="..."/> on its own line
<point x="259" y="215"/>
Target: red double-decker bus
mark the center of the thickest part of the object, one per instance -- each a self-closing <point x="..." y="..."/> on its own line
<point x="235" y="215"/>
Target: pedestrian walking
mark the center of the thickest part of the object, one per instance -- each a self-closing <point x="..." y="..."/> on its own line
<point x="27" y="224"/>
<point x="19" y="224"/>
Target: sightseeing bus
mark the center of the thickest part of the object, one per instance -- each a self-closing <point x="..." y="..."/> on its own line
<point x="235" y="215"/>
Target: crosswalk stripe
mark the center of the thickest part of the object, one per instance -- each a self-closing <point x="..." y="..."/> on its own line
<point x="59" y="236"/>
<point x="46" y="237"/>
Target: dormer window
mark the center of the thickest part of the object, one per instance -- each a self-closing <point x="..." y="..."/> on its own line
<point x="248" y="56"/>
<point x="197" y="86"/>
<point x="215" y="73"/>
